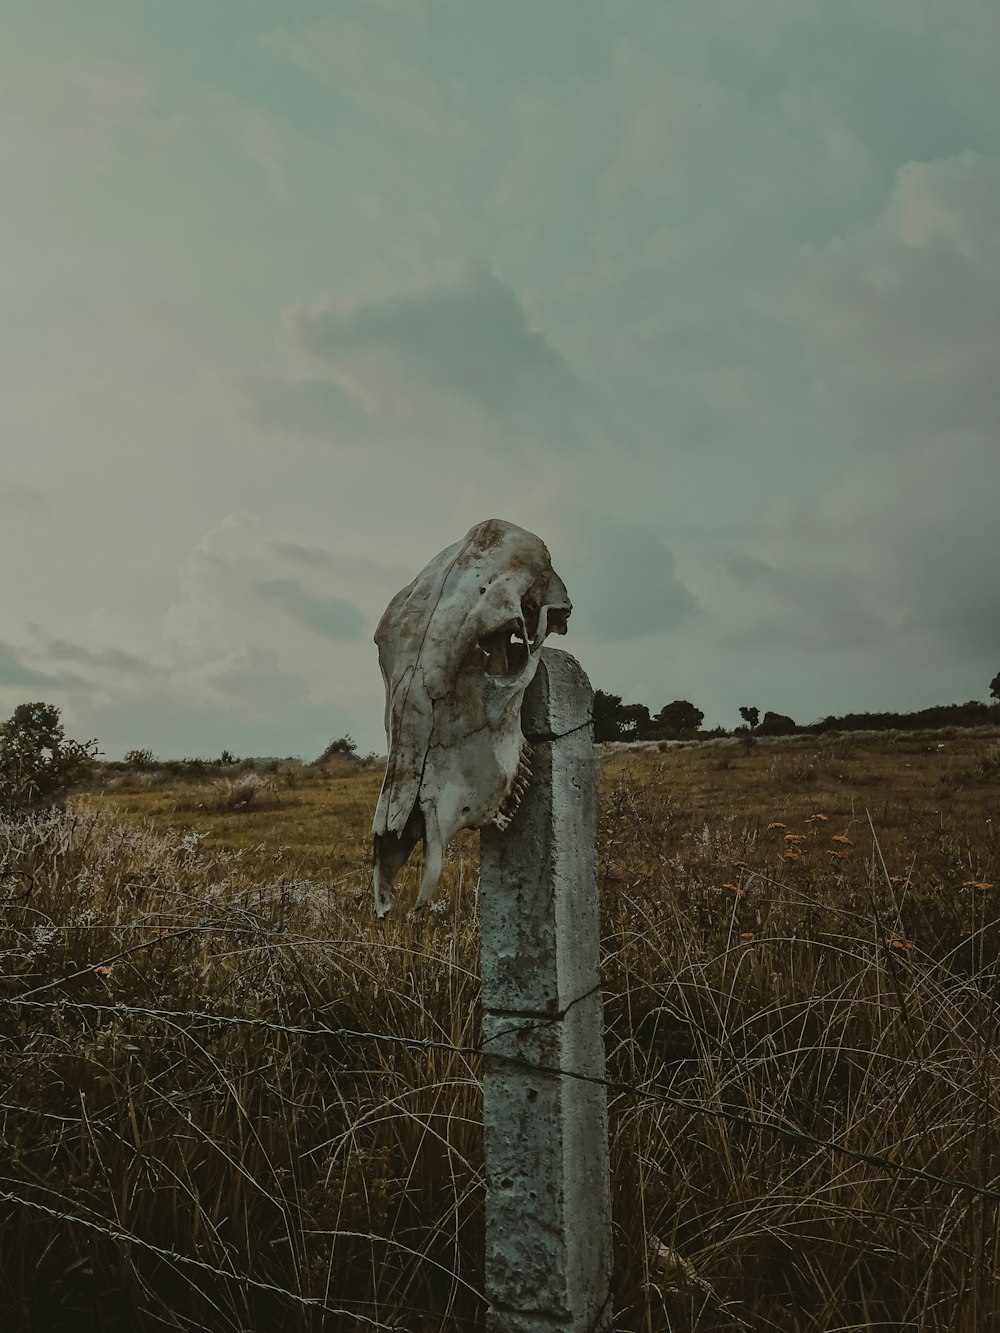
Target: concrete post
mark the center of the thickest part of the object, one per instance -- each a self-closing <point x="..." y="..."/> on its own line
<point x="548" y="1211"/>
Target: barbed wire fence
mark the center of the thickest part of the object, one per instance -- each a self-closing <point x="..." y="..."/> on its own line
<point x="39" y="1000"/>
<point x="648" y="1092"/>
<point x="175" y="1257"/>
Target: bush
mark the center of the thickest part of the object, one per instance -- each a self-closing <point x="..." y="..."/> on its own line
<point x="343" y="745"/>
<point x="139" y="760"/>
<point x="776" y="724"/>
<point x="240" y="793"/>
<point x="38" y="765"/>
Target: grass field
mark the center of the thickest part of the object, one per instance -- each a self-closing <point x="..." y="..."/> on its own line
<point x="804" y="931"/>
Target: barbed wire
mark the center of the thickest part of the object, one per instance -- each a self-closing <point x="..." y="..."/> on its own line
<point x="231" y="1275"/>
<point x="648" y="1093"/>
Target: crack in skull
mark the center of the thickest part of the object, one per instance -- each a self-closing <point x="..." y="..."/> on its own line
<point x="457" y="648"/>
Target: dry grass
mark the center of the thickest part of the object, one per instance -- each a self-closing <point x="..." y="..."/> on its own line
<point x="848" y="990"/>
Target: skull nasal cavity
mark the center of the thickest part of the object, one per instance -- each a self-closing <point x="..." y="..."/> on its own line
<point x="505" y="651"/>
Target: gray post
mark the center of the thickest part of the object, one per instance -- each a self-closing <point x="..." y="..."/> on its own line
<point x="548" y="1211"/>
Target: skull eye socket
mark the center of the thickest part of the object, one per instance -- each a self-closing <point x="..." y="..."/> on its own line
<point x="505" y="650"/>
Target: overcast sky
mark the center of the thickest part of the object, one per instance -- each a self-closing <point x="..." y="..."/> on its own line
<point x="704" y="292"/>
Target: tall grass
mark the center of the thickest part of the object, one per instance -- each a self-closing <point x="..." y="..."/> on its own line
<point x="176" y="1172"/>
<point x="833" y="997"/>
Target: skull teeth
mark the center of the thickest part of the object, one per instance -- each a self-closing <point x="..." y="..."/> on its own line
<point x="511" y="802"/>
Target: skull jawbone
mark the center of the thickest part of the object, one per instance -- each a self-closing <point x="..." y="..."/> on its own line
<point x="465" y="784"/>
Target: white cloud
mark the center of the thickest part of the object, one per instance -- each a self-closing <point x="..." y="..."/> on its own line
<point x="902" y="317"/>
<point x="371" y="60"/>
<point x="263" y="141"/>
<point x="622" y="579"/>
<point x="954" y="201"/>
<point x="16" y="673"/>
<point x="331" y="617"/>
<point x="233" y="591"/>
<point x="247" y="655"/>
<point x="20" y="500"/>
<point x="465" y="339"/>
<point x="308" y="406"/>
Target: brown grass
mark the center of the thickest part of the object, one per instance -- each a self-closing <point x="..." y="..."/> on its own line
<point x="848" y="992"/>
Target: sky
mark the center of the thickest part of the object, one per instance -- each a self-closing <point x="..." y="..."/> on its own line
<point x="705" y="293"/>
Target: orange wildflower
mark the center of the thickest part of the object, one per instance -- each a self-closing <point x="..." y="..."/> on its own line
<point x="103" y="971"/>
<point x="775" y="824"/>
<point x="818" y="819"/>
<point x="841" y="856"/>
<point x="735" y="888"/>
<point x="977" y="884"/>
<point x="791" y="854"/>
<point x="746" y="936"/>
<point x="794" y="837"/>
<point x="841" y="837"/>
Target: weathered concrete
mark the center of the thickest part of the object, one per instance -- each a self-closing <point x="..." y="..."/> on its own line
<point x="548" y="1220"/>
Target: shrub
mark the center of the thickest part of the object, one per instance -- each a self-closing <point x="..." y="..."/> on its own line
<point x="343" y="745"/>
<point x="776" y="724"/>
<point x="139" y="760"/>
<point x="241" y="792"/>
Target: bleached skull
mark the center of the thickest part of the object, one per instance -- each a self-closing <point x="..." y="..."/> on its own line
<point x="458" y="647"/>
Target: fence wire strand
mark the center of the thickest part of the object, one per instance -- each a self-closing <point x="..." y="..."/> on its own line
<point x="649" y="1093"/>
<point x="175" y="1257"/>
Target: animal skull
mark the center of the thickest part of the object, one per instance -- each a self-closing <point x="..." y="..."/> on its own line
<point x="458" y="647"/>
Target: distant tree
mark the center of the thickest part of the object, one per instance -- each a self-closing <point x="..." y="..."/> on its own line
<point x="615" y="721"/>
<point x="678" y="719"/>
<point x="633" y="721"/>
<point x="777" y="724"/>
<point x="607" y="716"/>
<point x="226" y="760"/>
<point x="343" y="745"/>
<point x="38" y="764"/>
<point x="995" y="687"/>
<point x="36" y="725"/>
<point x="751" y="716"/>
